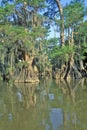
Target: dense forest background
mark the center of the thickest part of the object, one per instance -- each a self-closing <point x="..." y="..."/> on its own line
<point x="27" y="52"/>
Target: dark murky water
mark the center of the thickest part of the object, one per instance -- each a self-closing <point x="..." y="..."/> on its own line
<point x="49" y="105"/>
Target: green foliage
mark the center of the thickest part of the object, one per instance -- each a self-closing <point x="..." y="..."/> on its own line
<point x="62" y="53"/>
<point x="83" y="29"/>
<point x="6" y="11"/>
<point x="82" y="57"/>
<point x="35" y="40"/>
<point x="34" y="3"/>
<point x="14" y="33"/>
<point x="1" y="46"/>
<point x="84" y="51"/>
<point x="74" y="12"/>
<point x="53" y="41"/>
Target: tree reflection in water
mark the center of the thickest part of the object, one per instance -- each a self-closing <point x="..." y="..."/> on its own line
<point x="49" y="105"/>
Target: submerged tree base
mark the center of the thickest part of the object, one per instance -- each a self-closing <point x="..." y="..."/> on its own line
<point x="26" y="77"/>
<point x="26" y="81"/>
<point x="69" y="72"/>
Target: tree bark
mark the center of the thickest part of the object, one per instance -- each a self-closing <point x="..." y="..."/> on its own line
<point x="62" y="21"/>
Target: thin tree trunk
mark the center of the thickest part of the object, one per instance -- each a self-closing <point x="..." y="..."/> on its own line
<point x="69" y="36"/>
<point x="62" y="21"/>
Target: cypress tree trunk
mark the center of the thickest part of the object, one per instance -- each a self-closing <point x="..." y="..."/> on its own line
<point x="62" y="21"/>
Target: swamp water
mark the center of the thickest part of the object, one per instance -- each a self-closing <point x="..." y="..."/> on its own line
<point x="49" y="105"/>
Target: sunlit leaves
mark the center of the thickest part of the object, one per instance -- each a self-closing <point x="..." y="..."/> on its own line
<point x="62" y="53"/>
<point x="74" y="12"/>
<point x="18" y="32"/>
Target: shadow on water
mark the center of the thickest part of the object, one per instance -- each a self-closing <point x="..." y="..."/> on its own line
<point x="48" y="105"/>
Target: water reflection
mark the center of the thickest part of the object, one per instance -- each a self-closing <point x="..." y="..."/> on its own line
<point x="26" y="94"/>
<point x="49" y="105"/>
